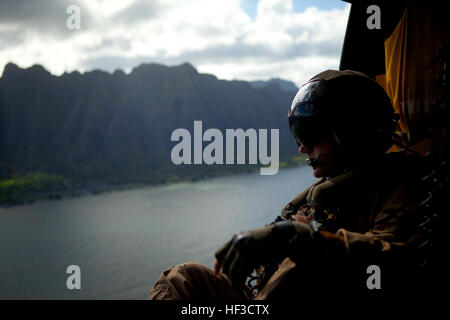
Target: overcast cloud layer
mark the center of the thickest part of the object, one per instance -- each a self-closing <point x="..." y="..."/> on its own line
<point x="217" y="37"/>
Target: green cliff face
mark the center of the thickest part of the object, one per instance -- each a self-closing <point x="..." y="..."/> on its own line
<point x="97" y="127"/>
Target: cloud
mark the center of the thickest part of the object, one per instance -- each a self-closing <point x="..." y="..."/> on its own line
<point x="137" y="12"/>
<point x="43" y="19"/>
<point x="11" y="37"/>
<point x="217" y="37"/>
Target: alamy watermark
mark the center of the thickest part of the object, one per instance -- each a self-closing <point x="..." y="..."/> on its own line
<point x="73" y="21"/>
<point x="213" y="153"/>
<point x="374" y="280"/>
<point x="374" y="20"/>
<point x="74" y="280"/>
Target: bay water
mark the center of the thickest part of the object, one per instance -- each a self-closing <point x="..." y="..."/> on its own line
<point x="123" y="240"/>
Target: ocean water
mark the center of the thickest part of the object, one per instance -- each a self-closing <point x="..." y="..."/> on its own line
<point x="123" y="240"/>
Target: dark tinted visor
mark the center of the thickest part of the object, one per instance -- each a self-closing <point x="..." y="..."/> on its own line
<point x="306" y="130"/>
<point x="304" y="133"/>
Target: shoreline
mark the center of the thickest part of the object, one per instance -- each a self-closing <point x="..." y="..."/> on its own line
<point x="99" y="188"/>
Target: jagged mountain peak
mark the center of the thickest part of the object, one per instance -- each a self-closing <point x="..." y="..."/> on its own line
<point x="13" y="70"/>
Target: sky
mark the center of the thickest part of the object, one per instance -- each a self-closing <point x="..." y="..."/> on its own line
<point x="233" y="39"/>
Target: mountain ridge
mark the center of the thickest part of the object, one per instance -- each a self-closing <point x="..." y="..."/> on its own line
<point x="114" y="128"/>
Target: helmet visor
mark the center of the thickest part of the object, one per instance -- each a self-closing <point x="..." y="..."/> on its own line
<point x="306" y="130"/>
<point x="305" y="133"/>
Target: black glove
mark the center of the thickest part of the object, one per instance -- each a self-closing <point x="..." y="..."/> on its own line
<point x="247" y="250"/>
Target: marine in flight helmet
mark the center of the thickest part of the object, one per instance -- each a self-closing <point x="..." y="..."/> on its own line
<point x="347" y="108"/>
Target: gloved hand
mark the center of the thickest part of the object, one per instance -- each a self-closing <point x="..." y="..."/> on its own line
<point x="247" y="250"/>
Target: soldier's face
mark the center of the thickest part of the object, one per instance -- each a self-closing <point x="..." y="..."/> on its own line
<point x="322" y="152"/>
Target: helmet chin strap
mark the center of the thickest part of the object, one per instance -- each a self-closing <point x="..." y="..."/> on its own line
<point x="315" y="162"/>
